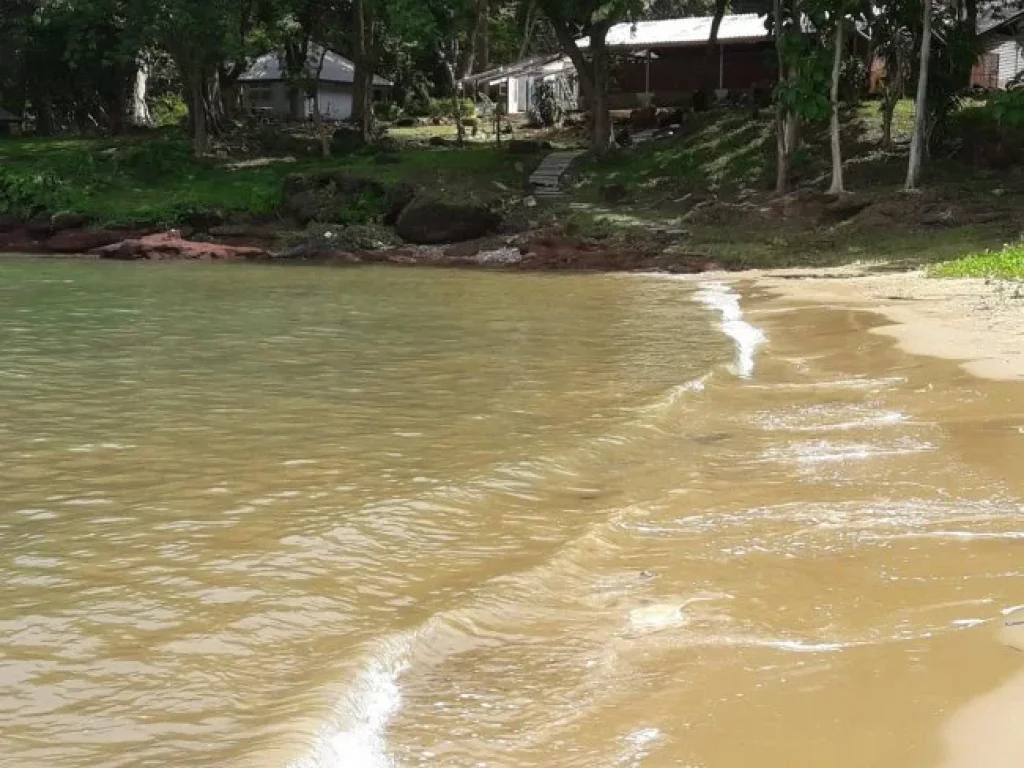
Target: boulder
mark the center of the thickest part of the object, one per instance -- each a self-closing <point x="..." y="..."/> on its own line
<point x="67" y="220"/>
<point x="82" y="240"/>
<point x="399" y="196"/>
<point x="40" y="226"/>
<point x="171" y="246"/>
<point x="429" y="222"/>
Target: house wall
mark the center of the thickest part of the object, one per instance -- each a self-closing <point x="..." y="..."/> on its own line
<point x="335" y="99"/>
<point x="677" y="72"/>
<point x="1011" y="56"/>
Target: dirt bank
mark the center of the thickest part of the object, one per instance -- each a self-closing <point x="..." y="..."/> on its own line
<point x="975" y="322"/>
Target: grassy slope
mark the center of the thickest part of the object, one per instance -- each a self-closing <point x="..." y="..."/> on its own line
<point x="728" y="156"/>
<point x="149" y="179"/>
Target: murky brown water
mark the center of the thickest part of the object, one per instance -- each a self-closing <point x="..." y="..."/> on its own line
<point x="363" y="518"/>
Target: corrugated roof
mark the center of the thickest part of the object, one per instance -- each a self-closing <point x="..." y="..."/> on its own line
<point x="747" y="27"/>
<point x="337" y="69"/>
<point x="992" y="15"/>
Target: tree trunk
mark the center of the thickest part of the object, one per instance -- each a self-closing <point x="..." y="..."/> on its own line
<point x="920" y="105"/>
<point x="601" y="130"/>
<point x="197" y="109"/>
<point x="138" y="112"/>
<point x="888" y="111"/>
<point x="362" y="85"/>
<point x="43" y="106"/>
<point x="782" y="149"/>
<point x="836" y="188"/>
<point x="318" y="120"/>
<point x="593" y="78"/>
<point x="708" y="79"/>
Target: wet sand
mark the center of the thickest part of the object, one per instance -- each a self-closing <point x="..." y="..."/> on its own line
<point x="978" y="324"/>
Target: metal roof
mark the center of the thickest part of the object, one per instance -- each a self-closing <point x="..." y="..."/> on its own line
<point x="696" y="30"/>
<point x="536" y="66"/>
<point x="992" y="15"/>
<point x="337" y="69"/>
<point x="7" y="117"/>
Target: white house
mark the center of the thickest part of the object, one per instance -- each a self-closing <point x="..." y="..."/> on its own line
<point x="513" y="86"/>
<point x="264" y="89"/>
<point x="1000" y="29"/>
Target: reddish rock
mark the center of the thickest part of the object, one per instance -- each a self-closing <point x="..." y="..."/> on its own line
<point x="171" y="246"/>
<point x="82" y="240"/>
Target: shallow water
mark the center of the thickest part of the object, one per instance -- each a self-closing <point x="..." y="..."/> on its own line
<point x="378" y="517"/>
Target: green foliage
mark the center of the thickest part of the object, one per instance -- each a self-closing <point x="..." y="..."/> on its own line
<point x="806" y="93"/>
<point x="1007" y="108"/>
<point x="445" y="108"/>
<point x="1004" y="264"/>
<point x="549" y="109"/>
<point x="168" y="110"/>
<point x="387" y="111"/>
<point x="28" y="194"/>
<point x="853" y="80"/>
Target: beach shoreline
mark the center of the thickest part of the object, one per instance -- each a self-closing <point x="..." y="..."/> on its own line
<point x="974" y="322"/>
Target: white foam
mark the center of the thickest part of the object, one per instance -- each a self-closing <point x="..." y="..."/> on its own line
<point x="357" y="740"/>
<point x="748" y="338"/>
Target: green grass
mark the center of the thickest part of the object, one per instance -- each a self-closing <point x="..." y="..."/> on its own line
<point x="155" y="180"/>
<point x="1004" y="264"/>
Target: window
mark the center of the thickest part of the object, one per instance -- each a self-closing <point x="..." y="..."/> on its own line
<point x="261" y="95"/>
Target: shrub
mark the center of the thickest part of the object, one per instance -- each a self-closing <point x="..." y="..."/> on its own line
<point x="387" y="111"/>
<point x="991" y="134"/>
<point x="446" y="108"/>
<point x="27" y="194"/>
<point x="549" y="110"/>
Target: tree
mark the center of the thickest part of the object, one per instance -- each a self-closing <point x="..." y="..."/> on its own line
<point x="920" y="108"/>
<point x="572" y="19"/>
<point x="836" y="187"/>
<point x="893" y="41"/>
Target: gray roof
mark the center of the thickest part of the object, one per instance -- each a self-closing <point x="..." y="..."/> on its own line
<point x="337" y="69"/>
<point x="7" y="117"/>
<point x="996" y="13"/>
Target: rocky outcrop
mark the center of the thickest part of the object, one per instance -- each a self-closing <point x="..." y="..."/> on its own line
<point x="171" y="246"/>
<point x="430" y="222"/>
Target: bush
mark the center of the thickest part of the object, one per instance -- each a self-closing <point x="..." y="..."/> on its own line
<point x="387" y="111"/>
<point x="549" y="110"/>
<point x="991" y="134"/>
<point x="28" y="194"/>
<point x="446" y="108"/>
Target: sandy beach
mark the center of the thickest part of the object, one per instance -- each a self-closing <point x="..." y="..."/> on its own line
<point x="975" y="322"/>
